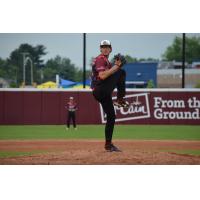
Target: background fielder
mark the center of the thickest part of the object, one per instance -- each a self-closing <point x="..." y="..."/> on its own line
<point x="71" y="107"/>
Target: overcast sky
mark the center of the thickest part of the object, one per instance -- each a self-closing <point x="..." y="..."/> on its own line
<point x="70" y="44"/>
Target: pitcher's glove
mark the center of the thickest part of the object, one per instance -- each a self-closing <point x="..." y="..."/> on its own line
<point x="121" y="58"/>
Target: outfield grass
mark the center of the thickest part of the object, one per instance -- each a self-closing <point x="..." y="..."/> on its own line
<point x="140" y="132"/>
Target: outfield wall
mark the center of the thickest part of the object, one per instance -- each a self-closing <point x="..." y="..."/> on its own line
<point x="147" y="106"/>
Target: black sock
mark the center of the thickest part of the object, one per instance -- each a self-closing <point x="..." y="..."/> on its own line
<point x="108" y="142"/>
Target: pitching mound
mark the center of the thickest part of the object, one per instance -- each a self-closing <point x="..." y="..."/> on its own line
<point x="92" y="152"/>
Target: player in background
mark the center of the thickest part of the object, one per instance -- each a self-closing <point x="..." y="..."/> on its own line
<point x="105" y="78"/>
<point x="71" y="107"/>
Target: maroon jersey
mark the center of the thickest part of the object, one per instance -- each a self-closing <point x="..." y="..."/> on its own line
<point x="100" y="63"/>
<point x="71" y="106"/>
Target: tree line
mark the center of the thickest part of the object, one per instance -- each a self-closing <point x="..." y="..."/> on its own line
<point x="12" y="67"/>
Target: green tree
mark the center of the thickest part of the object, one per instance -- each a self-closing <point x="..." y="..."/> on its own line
<point x="16" y="60"/>
<point x="2" y="68"/>
<point x="148" y="59"/>
<point x="150" y="84"/>
<point x="7" y="70"/>
<point x="79" y="75"/>
<point x="130" y="59"/>
<point x="197" y="85"/>
<point x="61" y="66"/>
<point x="192" y="52"/>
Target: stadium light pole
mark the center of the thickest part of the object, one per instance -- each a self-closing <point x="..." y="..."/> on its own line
<point x="26" y="61"/>
<point x="24" y="66"/>
<point x="183" y="61"/>
<point x="84" y="59"/>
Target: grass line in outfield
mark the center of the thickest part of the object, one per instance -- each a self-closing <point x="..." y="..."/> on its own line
<point x="139" y="132"/>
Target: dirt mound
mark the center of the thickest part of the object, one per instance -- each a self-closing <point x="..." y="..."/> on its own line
<point x="92" y="152"/>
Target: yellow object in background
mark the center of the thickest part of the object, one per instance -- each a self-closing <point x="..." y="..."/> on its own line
<point x="48" y="84"/>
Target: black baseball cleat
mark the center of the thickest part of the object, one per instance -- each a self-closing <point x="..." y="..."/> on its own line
<point x="121" y="103"/>
<point x="112" y="148"/>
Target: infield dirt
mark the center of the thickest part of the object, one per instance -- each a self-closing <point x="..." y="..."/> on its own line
<point x="91" y="152"/>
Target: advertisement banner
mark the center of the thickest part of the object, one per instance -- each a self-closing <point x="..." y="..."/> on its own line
<point x="146" y="106"/>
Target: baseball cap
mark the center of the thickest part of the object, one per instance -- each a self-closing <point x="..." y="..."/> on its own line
<point x="105" y="43"/>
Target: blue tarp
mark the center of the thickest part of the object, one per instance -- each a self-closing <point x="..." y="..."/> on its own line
<point x="87" y="82"/>
<point x="66" y="83"/>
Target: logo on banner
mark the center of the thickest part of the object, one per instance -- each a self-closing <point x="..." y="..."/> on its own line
<point x="177" y="108"/>
<point x="138" y="108"/>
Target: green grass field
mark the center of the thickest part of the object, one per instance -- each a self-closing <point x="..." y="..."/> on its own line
<point x="139" y="132"/>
